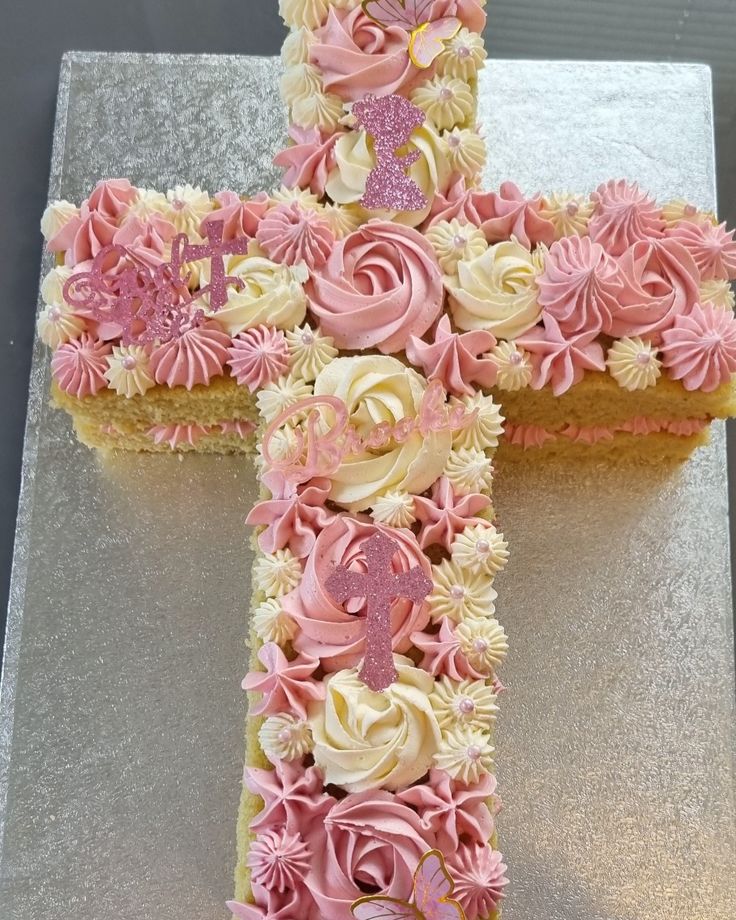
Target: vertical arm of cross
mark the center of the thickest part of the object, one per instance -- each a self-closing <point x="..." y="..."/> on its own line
<point x="215" y="250"/>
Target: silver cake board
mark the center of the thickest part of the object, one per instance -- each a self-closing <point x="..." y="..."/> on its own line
<point x="122" y="714"/>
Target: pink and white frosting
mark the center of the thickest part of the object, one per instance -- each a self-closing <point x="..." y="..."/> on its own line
<point x="624" y="215"/>
<point x="712" y="247"/>
<point x="83" y="237"/>
<point x="309" y="160"/>
<point x="455" y="359"/>
<point x="258" y="356"/>
<point x="239" y="216"/>
<point x="380" y="286"/>
<point x="177" y="435"/>
<point x="148" y="241"/>
<point x="700" y="349"/>
<point x="290" y="235"/>
<point x="294" y="518"/>
<point x="193" y="359"/>
<point x="112" y="199"/>
<point x="509" y="213"/>
<point x="79" y="366"/>
<point x="444" y="655"/>
<point x="336" y="633"/>
<point x="286" y="686"/>
<point x="443" y="515"/>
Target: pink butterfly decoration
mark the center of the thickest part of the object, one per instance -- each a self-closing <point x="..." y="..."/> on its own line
<point x="432" y="898"/>
<point x="427" y="37"/>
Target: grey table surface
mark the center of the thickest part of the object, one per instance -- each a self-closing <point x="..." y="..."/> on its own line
<point x="35" y="33"/>
<point x="120" y="710"/>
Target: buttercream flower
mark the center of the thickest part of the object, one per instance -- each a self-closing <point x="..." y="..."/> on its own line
<point x="82" y="237"/>
<point x="561" y="360"/>
<point x="357" y="56"/>
<point x="290" y="235"/>
<point x="465" y="754"/>
<point x="270" y="294"/>
<point x="511" y="214"/>
<point x="458" y="202"/>
<point x="480" y="548"/>
<point x="198" y="355"/>
<point x="281" y="394"/>
<point x="277" y="573"/>
<point x="447" y="100"/>
<point x="454" y="359"/>
<point x="661" y="281"/>
<point x="469" y="703"/>
<point x="369" y="740"/>
<point x="469" y="471"/>
<point x="112" y="198"/>
<point x="712" y="247"/>
<point x="445" y="514"/>
<point x="382" y="391"/>
<point x="336" y="633"/>
<point x="344" y="219"/>
<point x="240" y="216"/>
<point x="52" y="286"/>
<point x="496" y="291"/>
<point x="486" y="428"/>
<point x="580" y="285"/>
<point x="287" y="686"/>
<point x="309" y="159"/>
<point x="278" y="860"/>
<point x="700" y="349"/>
<point x="58" y="324"/>
<point x="379" y="286"/>
<point x="322" y="111"/>
<point x="272" y="624"/>
<point x="56" y="216"/>
<point x="188" y="206"/>
<point x="718" y="293"/>
<point x="462" y="56"/>
<point x="295" y="49"/>
<point x="309" y="352"/>
<point x="299" y="81"/>
<point x="285" y="195"/>
<point x="129" y="371"/>
<point x="633" y="363"/>
<point x="569" y="214"/>
<point x="147" y="241"/>
<point x="454" y="241"/>
<point x="479" y="874"/>
<point x="624" y="215"/>
<point x="368" y="840"/>
<point x="293" y="519"/>
<point x="394" y="509"/>
<point x="472" y="649"/>
<point x="466" y="152"/>
<point x="452" y="811"/>
<point x="284" y="737"/>
<point x="307" y="14"/>
<point x="514" y="367"/>
<point x="459" y="594"/>
<point x="258" y="356"/>
<point x="293" y="796"/>
<point x="78" y="366"/>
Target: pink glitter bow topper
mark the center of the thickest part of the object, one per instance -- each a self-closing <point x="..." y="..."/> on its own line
<point x="390" y="121"/>
<point x="154" y="305"/>
<point x="380" y="586"/>
<point x="432" y="897"/>
<point x="427" y="36"/>
<point x="320" y="447"/>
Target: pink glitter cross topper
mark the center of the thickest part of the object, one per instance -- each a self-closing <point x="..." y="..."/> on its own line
<point x="154" y="305"/>
<point x="390" y="121"/>
<point x="380" y="586"/>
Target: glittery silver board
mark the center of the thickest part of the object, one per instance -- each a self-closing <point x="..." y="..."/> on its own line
<point x="121" y="712"/>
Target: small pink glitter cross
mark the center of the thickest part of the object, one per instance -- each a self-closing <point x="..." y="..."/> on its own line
<point x="380" y="586"/>
<point x="214" y="250"/>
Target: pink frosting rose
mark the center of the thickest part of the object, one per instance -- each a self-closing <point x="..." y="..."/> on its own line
<point x="83" y="236"/>
<point x="79" y="366"/>
<point x="112" y="198"/>
<point x="713" y="248"/>
<point x="240" y="217"/>
<point x="290" y="234"/>
<point x="358" y="56"/>
<point x="700" y="349"/>
<point x="380" y="285"/>
<point x="580" y="285"/>
<point x="661" y="281"/>
<point x="336" y="634"/>
<point x="197" y="356"/>
<point x="369" y="842"/>
<point x="624" y="215"/>
<point x="309" y="160"/>
<point x="293" y="519"/>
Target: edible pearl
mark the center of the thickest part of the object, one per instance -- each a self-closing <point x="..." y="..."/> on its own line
<point x="308" y="338"/>
<point x="573" y="208"/>
<point x="129" y="363"/>
<point x="54" y="314"/>
<point x="284" y="736"/>
<point x="515" y="358"/>
<point x="463" y="51"/>
<point x="482" y="547"/>
<point x="453" y="140"/>
<point x="690" y="210"/>
<point x="474" y="752"/>
<point x="457" y="592"/>
<point x="466" y="706"/>
<point x="446" y="94"/>
<point x="480" y="646"/>
<point x="643" y="358"/>
<point x="459" y="241"/>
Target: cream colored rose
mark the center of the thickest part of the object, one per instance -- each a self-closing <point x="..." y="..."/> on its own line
<point x="378" y="390"/>
<point x="368" y="740"/>
<point x="355" y="158"/>
<point x="496" y="291"/>
<point x="271" y="294"/>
